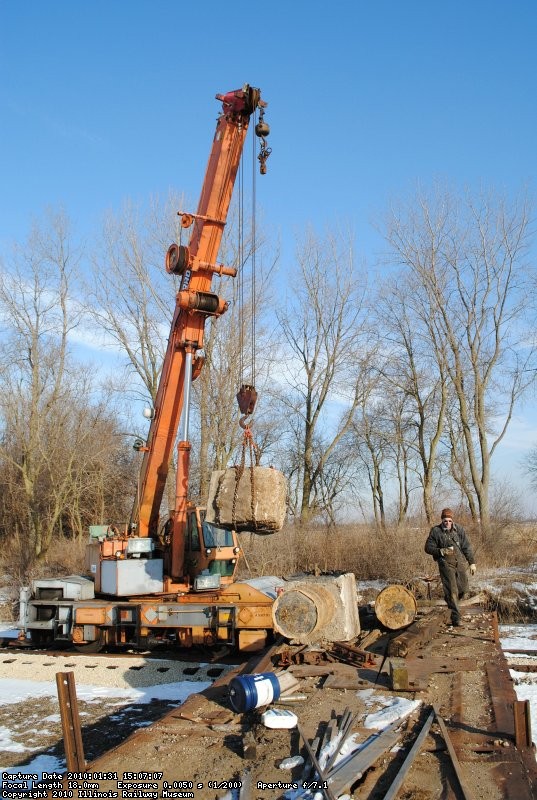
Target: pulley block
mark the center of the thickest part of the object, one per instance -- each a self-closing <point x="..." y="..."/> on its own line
<point x="246" y="398"/>
<point x="262" y="129"/>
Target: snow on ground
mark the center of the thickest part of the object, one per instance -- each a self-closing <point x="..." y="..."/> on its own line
<point x="17" y="690"/>
<point x="394" y="708"/>
<point x="512" y="584"/>
<point x="518" y="637"/>
<point x="14" y="691"/>
<point x="522" y="637"/>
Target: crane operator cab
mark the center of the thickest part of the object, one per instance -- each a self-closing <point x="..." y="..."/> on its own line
<point x="211" y="552"/>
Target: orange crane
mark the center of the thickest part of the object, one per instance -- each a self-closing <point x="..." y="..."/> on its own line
<point x="196" y="264"/>
<point x="174" y="583"/>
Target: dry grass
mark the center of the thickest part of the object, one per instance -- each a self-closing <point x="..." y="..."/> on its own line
<point x="393" y="555"/>
<point x="507" y="544"/>
<point x="396" y="554"/>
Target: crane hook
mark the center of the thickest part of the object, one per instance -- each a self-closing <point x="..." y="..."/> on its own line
<point x="246" y="398"/>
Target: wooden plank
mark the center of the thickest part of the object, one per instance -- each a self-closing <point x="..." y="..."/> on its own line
<point x="357" y="679"/>
<point x="289" y="683"/>
<point x="370" y="638"/>
<point x="343" y="680"/>
<point x="419" y="633"/>
<point x="314" y="670"/>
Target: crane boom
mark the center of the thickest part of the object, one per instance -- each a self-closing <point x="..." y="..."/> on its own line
<point x="195" y="302"/>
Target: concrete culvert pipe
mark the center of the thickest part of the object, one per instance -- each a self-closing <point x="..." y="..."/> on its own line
<point x="318" y="608"/>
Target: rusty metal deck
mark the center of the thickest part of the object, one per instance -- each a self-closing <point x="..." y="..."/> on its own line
<point x="462" y="672"/>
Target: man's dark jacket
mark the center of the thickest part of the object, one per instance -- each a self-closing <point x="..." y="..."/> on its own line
<point x="439" y="538"/>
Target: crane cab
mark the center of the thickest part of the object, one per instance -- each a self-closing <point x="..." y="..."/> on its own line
<point x="211" y="552"/>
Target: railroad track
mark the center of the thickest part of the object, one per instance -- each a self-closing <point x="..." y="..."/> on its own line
<point x="195" y="655"/>
<point x="130" y="669"/>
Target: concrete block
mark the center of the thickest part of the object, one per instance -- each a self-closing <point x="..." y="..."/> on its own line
<point x="258" y="503"/>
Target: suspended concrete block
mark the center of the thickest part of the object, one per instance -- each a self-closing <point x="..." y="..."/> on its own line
<point x="252" y="500"/>
<point x="318" y="609"/>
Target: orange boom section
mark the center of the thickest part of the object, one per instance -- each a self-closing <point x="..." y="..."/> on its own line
<point x="196" y="264"/>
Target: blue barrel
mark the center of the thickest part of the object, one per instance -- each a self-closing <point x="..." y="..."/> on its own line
<point x="251" y="691"/>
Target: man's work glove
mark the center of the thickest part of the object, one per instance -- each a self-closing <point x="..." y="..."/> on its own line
<point x="473" y="569"/>
<point x="447" y="551"/>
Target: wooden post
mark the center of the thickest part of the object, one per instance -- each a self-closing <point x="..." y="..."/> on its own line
<point x="522" y="715"/>
<point x="72" y="733"/>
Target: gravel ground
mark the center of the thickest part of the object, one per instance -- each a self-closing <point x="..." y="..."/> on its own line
<point x="108" y="711"/>
<point x="119" y="672"/>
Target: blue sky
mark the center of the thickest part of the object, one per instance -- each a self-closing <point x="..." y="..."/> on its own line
<point x="103" y="101"/>
<point x="106" y="100"/>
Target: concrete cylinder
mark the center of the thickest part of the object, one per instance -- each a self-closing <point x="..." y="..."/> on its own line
<point x="302" y="611"/>
<point x="395" y="607"/>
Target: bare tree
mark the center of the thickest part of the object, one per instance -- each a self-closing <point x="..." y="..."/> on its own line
<point x="36" y="308"/>
<point x="530" y="464"/>
<point x="458" y="459"/>
<point x="48" y="421"/>
<point x="469" y="257"/>
<point x="371" y="443"/>
<point x="132" y="298"/>
<point x="401" y="450"/>
<point x="414" y="380"/>
<point x="133" y="301"/>
<point x="323" y="326"/>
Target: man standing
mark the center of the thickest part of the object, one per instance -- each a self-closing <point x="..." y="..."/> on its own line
<point x="447" y="543"/>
